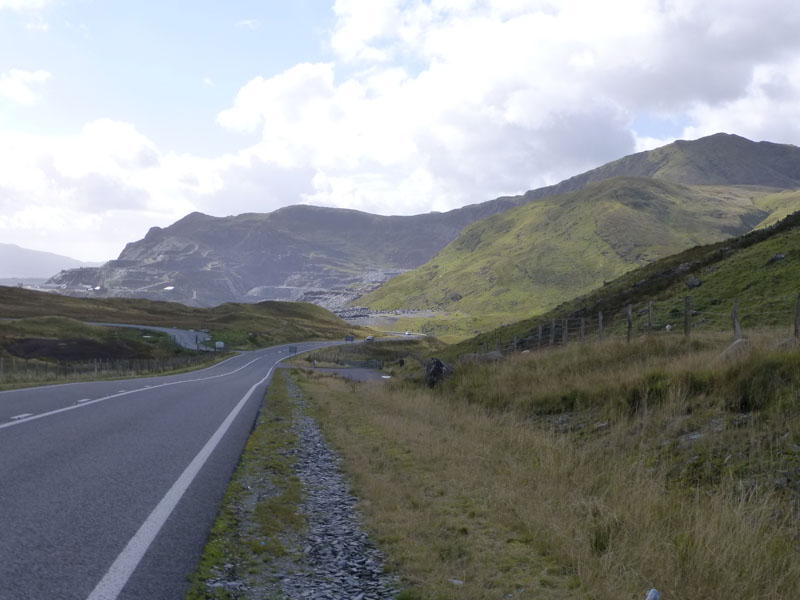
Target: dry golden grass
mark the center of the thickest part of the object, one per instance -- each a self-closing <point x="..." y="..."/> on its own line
<point x="585" y="472"/>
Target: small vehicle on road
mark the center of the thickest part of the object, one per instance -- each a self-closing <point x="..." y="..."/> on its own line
<point x="369" y="338"/>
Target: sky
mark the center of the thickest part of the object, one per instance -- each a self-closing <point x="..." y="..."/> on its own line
<point x="119" y="116"/>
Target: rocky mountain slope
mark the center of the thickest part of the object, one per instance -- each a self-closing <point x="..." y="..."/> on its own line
<point x="326" y="255"/>
<point x="330" y="256"/>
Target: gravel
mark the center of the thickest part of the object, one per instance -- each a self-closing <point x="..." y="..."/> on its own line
<point x="332" y="557"/>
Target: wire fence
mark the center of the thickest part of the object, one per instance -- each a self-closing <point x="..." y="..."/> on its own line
<point x="20" y="370"/>
<point x="659" y="318"/>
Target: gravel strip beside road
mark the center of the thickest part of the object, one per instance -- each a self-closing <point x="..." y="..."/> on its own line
<point x="332" y="557"/>
<point x="338" y="558"/>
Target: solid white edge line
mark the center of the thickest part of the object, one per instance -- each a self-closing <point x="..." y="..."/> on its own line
<point x="123" y="567"/>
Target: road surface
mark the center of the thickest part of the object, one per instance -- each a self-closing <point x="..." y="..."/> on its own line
<point x="183" y="337"/>
<point x="108" y="489"/>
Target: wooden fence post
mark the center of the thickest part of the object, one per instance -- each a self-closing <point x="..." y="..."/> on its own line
<point x="629" y="314"/>
<point x="737" y="331"/>
<point x="687" y="316"/>
<point x="650" y="316"/>
<point x="583" y="330"/>
<point x="553" y="332"/>
<point x="515" y="342"/>
<point x="539" y="338"/>
<point x="797" y="318"/>
<point x="565" y="332"/>
<point x="600" y="322"/>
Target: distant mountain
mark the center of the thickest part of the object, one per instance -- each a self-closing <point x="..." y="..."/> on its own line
<point x="533" y="257"/>
<point x="330" y="256"/>
<point x="326" y="254"/>
<point x="23" y="264"/>
<point x="719" y="159"/>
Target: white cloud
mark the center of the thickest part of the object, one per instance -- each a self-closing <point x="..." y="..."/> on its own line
<point x="248" y="24"/>
<point x="769" y="108"/>
<point x="459" y="101"/>
<point x="52" y="189"/>
<point x="38" y="26"/>
<point x="16" y="85"/>
<point x="207" y="81"/>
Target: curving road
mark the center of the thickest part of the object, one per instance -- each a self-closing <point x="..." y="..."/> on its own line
<point x="108" y="489"/>
<point x="188" y="338"/>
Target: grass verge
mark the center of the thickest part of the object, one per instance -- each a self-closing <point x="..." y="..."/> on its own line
<point x="592" y="471"/>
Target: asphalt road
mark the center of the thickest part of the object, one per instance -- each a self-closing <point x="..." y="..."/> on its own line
<point x="108" y="489"/>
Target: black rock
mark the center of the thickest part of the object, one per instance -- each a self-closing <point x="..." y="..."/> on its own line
<point x="436" y="371"/>
<point x="776" y="258"/>
<point x="693" y="282"/>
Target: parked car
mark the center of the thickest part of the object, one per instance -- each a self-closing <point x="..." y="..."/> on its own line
<point x="408" y="333"/>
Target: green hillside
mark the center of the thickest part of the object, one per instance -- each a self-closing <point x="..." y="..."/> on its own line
<point x="759" y="269"/>
<point x="247" y="325"/>
<point x="531" y="258"/>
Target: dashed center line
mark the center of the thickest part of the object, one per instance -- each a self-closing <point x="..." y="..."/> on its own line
<point x="88" y="402"/>
<point x="82" y="400"/>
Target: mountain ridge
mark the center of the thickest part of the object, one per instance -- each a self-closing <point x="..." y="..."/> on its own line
<point x="335" y="255"/>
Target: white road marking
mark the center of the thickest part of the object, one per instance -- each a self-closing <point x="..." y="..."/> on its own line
<point x="21" y="417"/>
<point x="123" y="567"/>
<point x="82" y="400"/>
<point x="118" y="394"/>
